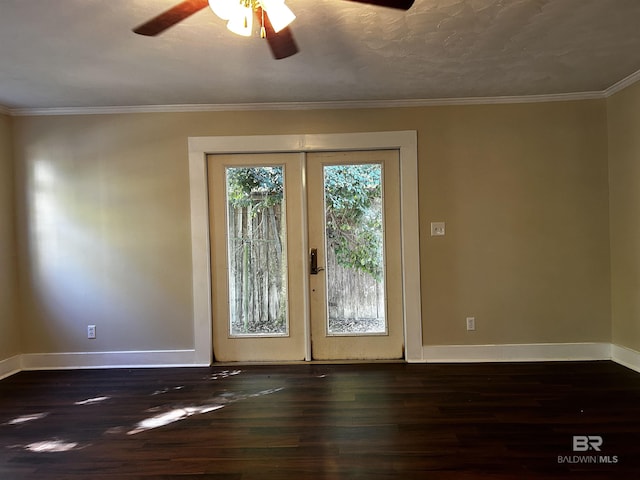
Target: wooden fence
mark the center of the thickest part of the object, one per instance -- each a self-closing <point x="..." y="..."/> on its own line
<point x="258" y="272"/>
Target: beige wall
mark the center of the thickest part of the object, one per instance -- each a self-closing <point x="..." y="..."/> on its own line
<point x="104" y="218"/>
<point x="624" y="174"/>
<point x="9" y="338"/>
<point x="523" y="189"/>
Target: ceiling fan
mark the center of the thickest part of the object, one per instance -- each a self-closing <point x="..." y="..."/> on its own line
<point x="280" y="40"/>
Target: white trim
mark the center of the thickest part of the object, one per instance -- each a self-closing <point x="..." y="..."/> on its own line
<point x="622" y="84"/>
<point x="124" y="359"/>
<point x="431" y="354"/>
<point x="10" y="366"/>
<point x="410" y="248"/>
<point x="535" y="352"/>
<point x="626" y="356"/>
<point x="337" y="105"/>
<point x="5" y="110"/>
<point x="305" y="269"/>
<point x="200" y="259"/>
<point x="405" y="141"/>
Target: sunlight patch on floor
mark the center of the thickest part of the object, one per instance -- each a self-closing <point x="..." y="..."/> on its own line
<point x="91" y="401"/>
<point x="26" y="418"/>
<point x="51" y="446"/>
<point x="182" y="413"/>
<point x="167" y="390"/>
<point x="171" y="417"/>
<point x="225" y="374"/>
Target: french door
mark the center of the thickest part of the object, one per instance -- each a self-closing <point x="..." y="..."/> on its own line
<point x="306" y="260"/>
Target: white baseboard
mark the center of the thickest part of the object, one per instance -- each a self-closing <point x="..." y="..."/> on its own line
<point x="625" y="356"/>
<point x="535" y="352"/>
<point x="128" y="359"/>
<point x="10" y="366"/>
<point x="431" y="354"/>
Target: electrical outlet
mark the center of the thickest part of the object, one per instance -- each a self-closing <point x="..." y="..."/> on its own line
<point x="91" y="331"/>
<point x="437" y="229"/>
<point x="471" y="323"/>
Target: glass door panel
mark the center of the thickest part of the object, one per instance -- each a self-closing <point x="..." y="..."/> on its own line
<point x="354" y="226"/>
<point x="257" y="252"/>
<point x="354" y="220"/>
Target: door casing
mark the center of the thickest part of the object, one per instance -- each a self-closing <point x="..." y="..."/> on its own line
<point x="200" y="147"/>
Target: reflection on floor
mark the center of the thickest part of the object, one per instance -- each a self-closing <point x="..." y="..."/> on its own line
<point x="170" y="413"/>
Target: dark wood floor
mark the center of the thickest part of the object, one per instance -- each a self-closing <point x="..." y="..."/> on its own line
<point x="382" y="421"/>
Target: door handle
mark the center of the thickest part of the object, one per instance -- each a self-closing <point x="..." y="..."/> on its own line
<point x="313" y="261"/>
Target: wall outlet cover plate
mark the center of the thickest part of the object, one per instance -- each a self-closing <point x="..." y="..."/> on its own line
<point x="437" y="229"/>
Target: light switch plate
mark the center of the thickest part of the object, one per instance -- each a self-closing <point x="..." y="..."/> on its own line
<point x="437" y="229"/>
<point x="471" y="323"/>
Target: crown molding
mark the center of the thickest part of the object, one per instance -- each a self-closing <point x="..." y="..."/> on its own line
<point x="622" y="84"/>
<point x="353" y="104"/>
<point x="331" y="105"/>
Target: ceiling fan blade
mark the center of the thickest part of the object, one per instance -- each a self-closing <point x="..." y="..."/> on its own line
<point x="170" y="17"/>
<point x="282" y="43"/>
<point x="400" y="4"/>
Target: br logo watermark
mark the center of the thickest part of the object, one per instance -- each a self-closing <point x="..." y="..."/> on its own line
<point x="584" y="443"/>
<point x="588" y="443"/>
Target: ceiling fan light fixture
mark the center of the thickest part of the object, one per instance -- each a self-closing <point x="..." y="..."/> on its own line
<point x="279" y="14"/>
<point x="239" y="14"/>
<point x="272" y="15"/>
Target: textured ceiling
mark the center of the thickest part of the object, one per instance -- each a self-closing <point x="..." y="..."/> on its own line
<point x="82" y="53"/>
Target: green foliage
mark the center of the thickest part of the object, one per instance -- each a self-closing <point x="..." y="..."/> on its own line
<point x="353" y="216"/>
<point x="260" y="187"/>
<point x="352" y="201"/>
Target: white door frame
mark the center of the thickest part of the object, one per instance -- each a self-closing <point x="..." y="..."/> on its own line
<point x="404" y="141"/>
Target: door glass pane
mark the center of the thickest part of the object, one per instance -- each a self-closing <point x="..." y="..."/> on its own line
<point x="355" y="249"/>
<point x="256" y="232"/>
